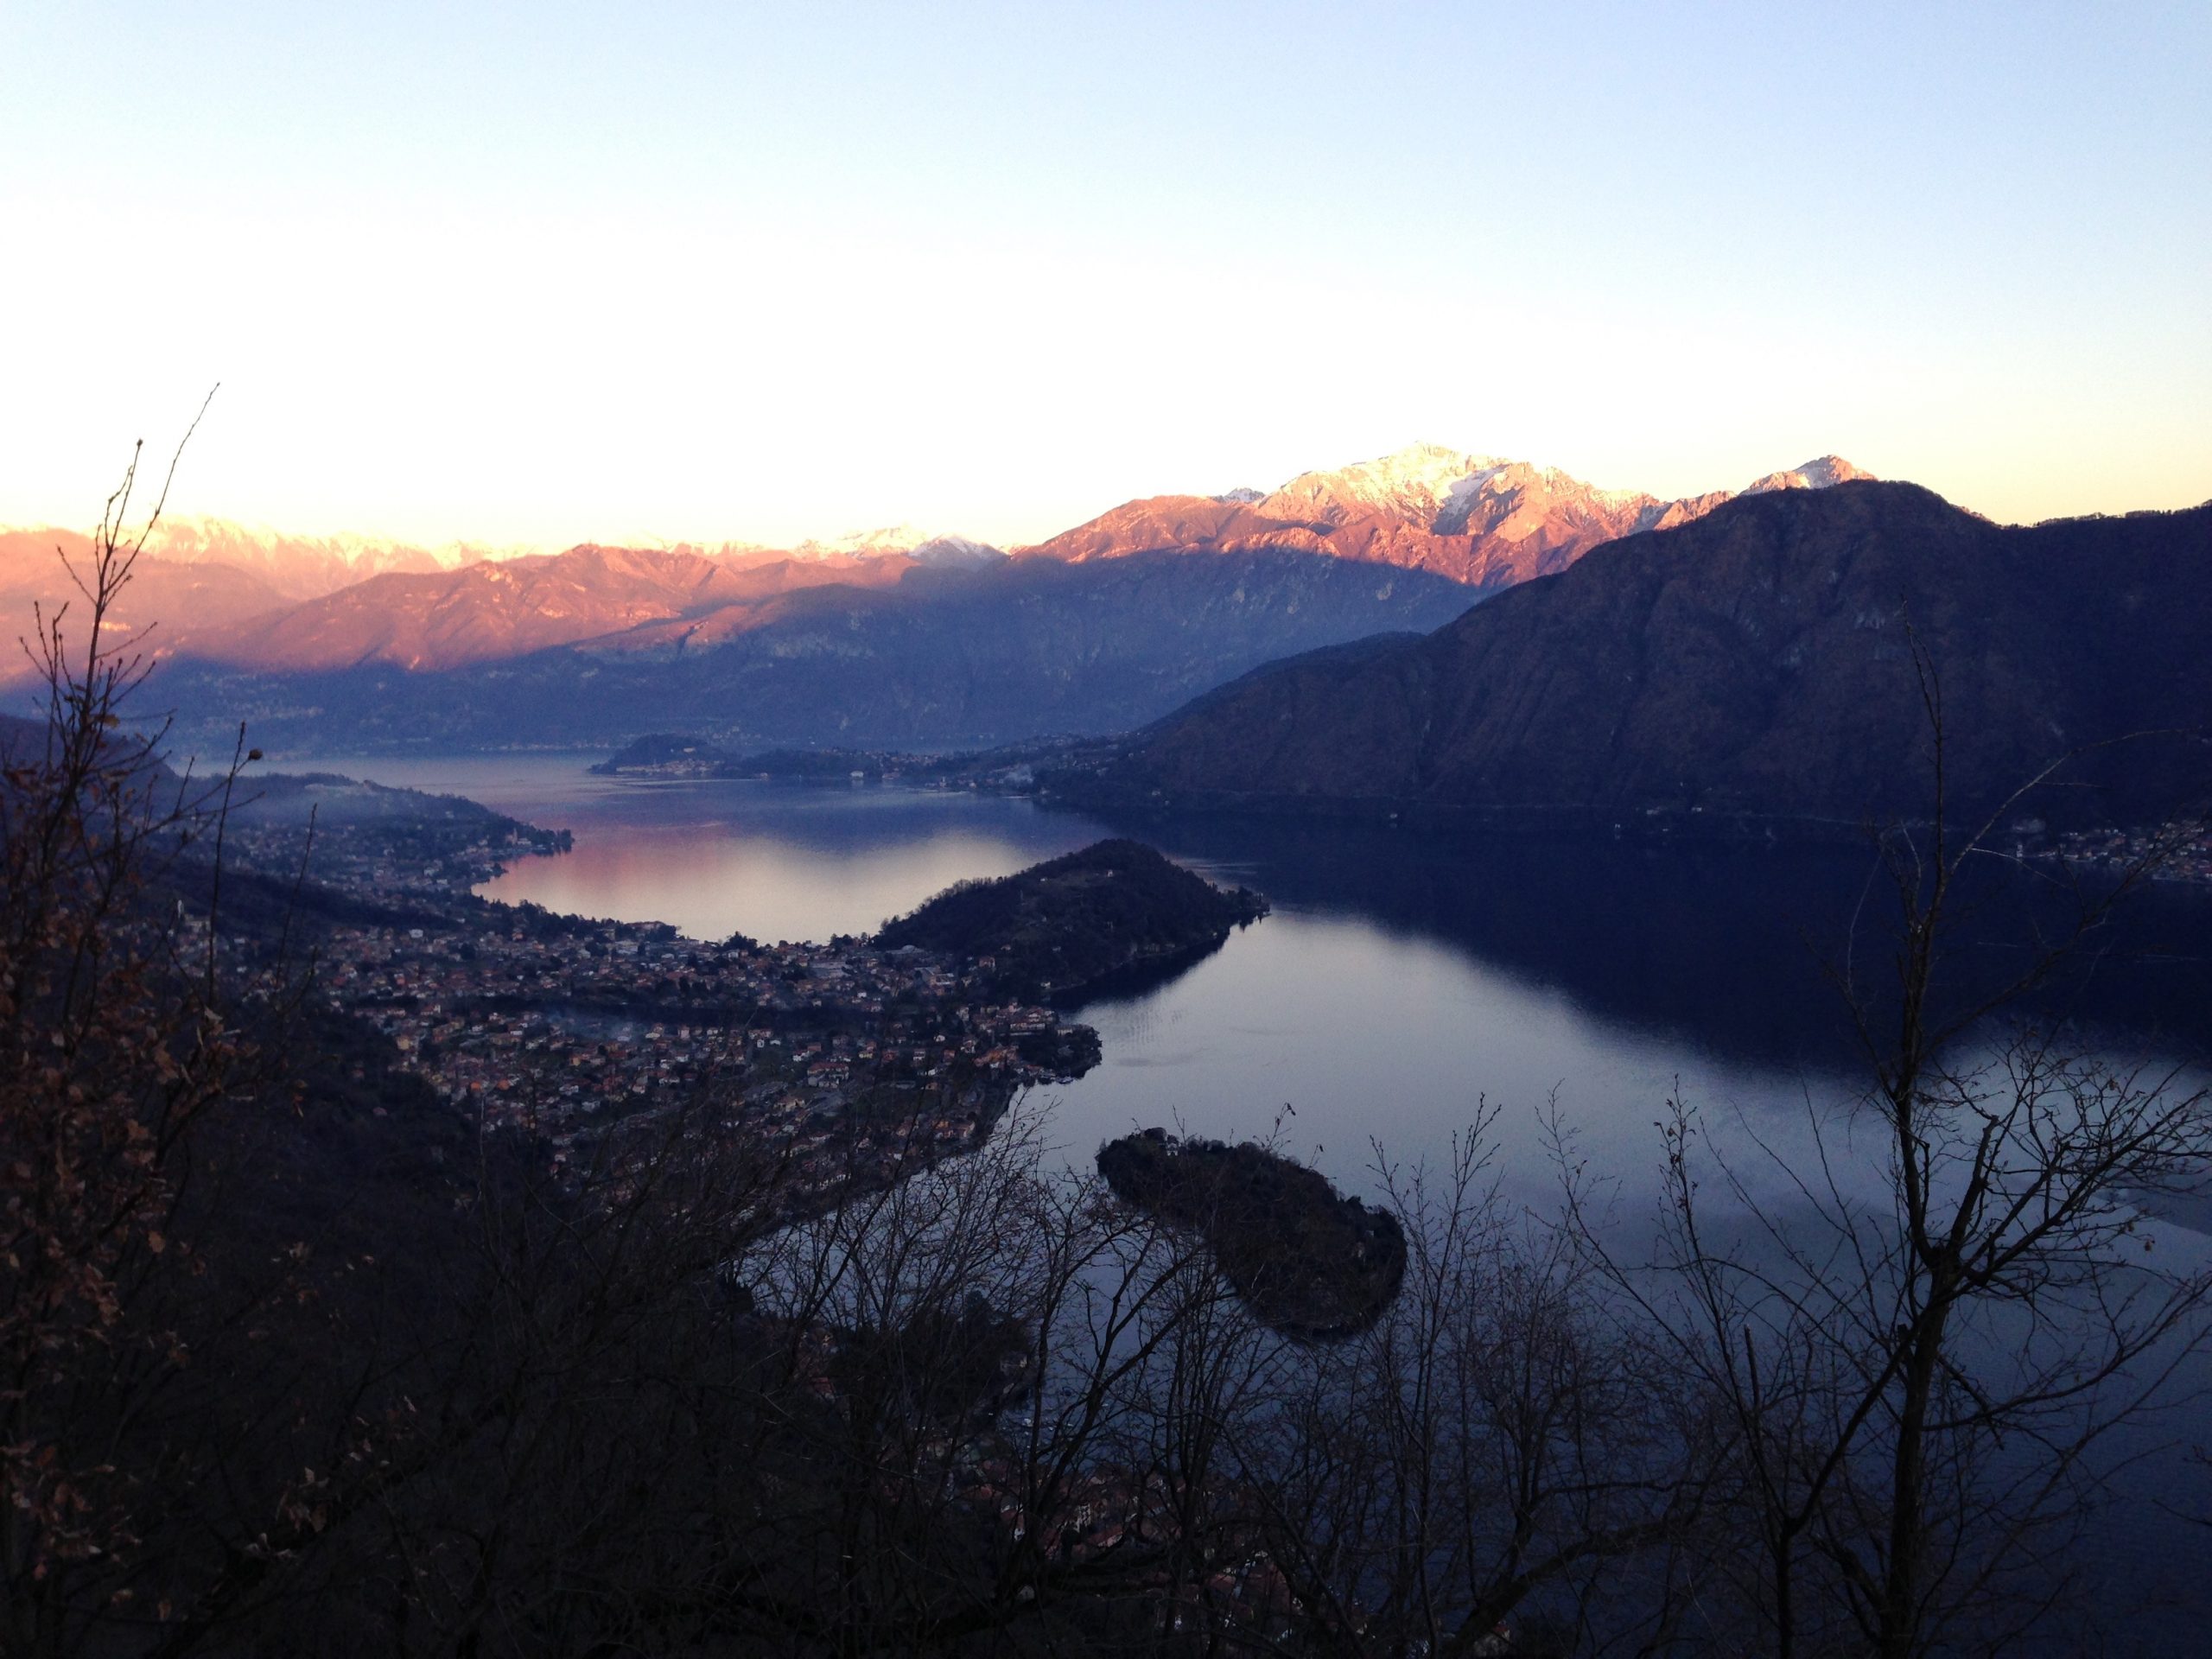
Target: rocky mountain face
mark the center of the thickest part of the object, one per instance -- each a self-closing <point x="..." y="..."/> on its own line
<point x="1480" y="520"/>
<point x="1758" y="659"/>
<point x="1017" y="648"/>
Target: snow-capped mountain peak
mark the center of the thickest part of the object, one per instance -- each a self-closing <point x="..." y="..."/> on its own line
<point x="1411" y="484"/>
<point x="929" y="547"/>
<point x="889" y="538"/>
<point x="1819" y="473"/>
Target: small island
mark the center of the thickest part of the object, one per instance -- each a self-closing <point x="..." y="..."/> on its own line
<point x="1077" y="923"/>
<point x="1310" y="1262"/>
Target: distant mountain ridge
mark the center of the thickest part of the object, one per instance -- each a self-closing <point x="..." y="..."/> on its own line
<point x="295" y="567"/>
<point x="488" y="611"/>
<point x="163" y="595"/>
<point x="1402" y="542"/>
<point x="969" y="658"/>
<point x="303" y="566"/>
<point x="1476" y="520"/>
<point x="1754" y="660"/>
<point x="1479" y="520"/>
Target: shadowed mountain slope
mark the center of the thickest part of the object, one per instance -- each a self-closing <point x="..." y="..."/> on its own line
<point x="1757" y="660"/>
<point x="1022" y="648"/>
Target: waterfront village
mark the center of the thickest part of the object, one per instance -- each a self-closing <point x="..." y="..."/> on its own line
<point x="855" y="1063"/>
<point x="852" y="1062"/>
<point x="2168" y="855"/>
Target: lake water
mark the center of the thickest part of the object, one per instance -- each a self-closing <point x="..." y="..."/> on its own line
<point x="1398" y="980"/>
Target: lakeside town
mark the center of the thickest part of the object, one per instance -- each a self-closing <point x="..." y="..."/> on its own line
<point x="2165" y="854"/>
<point x="851" y="1062"/>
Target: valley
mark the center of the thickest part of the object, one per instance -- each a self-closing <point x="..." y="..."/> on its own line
<point x="1567" y="805"/>
<point x="1105" y="832"/>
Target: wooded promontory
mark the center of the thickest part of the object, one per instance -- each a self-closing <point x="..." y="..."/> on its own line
<point x="1310" y="1262"/>
<point x="1077" y="921"/>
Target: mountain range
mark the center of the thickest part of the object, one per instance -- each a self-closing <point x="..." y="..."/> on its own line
<point x="943" y="659"/>
<point x="1764" y="658"/>
<point x="889" y="636"/>
<point x="1481" y="521"/>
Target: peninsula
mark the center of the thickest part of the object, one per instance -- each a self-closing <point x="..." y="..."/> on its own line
<point x="1076" y="923"/>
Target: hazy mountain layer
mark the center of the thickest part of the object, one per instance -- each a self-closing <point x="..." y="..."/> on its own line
<point x="301" y="567"/>
<point x="510" y="609"/>
<point x="345" y="600"/>
<point x="1758" y="659"/>
<point x="161" y="597"/>
<point x="1463" y="524"/>
<point x="1017" y="649"/>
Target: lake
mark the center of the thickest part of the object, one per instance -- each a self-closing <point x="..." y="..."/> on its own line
<point x="1399" y="981"/>
<point x="1395" y="985"/>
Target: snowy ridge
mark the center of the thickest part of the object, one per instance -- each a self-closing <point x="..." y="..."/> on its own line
<point x="1819" y="473"/>
<point x="1452" y="493"/>
<point x="891" y="538"/>
<point x="1411" y="485"/>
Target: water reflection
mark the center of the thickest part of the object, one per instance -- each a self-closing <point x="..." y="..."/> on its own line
<point x="1341" y="1035"/>
<point x="1400" y="977"/>
<point x="1730" y="949"/>
<point x="714" y="857"/>
<point x="1399" y="981"/>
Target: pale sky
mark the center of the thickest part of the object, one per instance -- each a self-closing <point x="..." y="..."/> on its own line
<point x="544" y="274"/>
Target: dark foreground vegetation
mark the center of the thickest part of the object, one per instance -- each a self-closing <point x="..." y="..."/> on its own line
<point x="296" y="1357"/>
<point x="1309" y="1262"/>
<point x="1075" y="922"/>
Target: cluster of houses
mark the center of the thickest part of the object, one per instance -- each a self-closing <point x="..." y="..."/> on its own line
<point x="848" y="1060"/>
<point x="2165" y="854"/>
<point x="431" y="857"/>
<point x="844" y="1058"/>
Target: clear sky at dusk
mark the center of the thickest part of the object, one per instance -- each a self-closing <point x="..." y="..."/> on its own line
<point x="544" y="274"/>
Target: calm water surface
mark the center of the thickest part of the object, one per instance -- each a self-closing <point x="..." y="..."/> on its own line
<point x="1354" y="1014"/>
<point x="1398" y="982"/>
